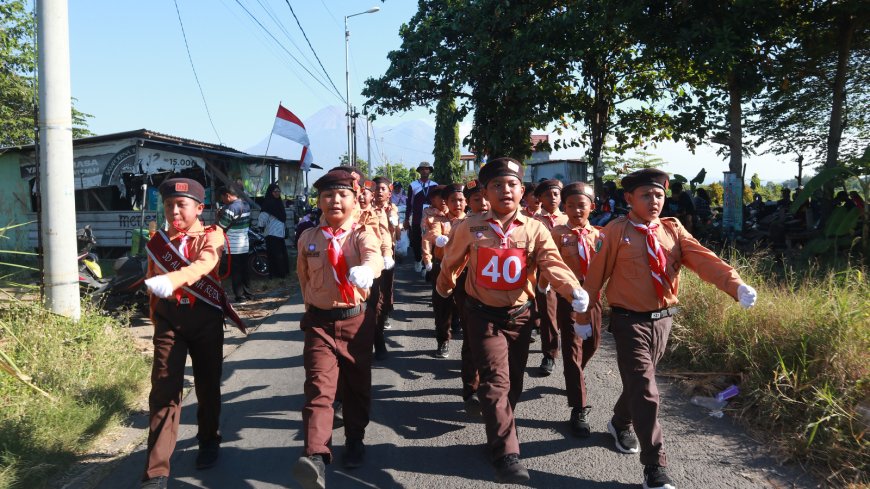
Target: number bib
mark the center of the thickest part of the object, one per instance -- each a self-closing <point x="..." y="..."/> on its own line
<point x="501" y="269"/>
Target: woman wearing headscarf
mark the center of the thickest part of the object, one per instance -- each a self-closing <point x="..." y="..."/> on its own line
<point x="272" y="219"/>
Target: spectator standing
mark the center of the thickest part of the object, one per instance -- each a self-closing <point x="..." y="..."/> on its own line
<point x="418" y="199"/>
<point x="235" y="219"/>
<point x="272" y="221"/>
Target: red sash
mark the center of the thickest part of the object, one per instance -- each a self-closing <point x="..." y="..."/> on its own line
<point x="167" y="258"/>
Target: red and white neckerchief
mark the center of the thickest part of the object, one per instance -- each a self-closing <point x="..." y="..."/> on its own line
<point x="583" y="248"/>
<point x="339" y="264"/>
<point x="496" y="226"/>
<point x="552" y="218"/>
<point x="656" y="258"/>
<point x="183" y="249"/>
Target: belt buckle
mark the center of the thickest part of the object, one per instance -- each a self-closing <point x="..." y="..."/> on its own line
<point x="184" y="301"/>
<point x="656" y="315"/>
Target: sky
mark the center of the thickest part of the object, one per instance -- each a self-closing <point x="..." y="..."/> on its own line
<point x="130" y="70"/>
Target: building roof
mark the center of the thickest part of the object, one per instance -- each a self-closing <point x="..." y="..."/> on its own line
<point x="467" y="158"/>
<point x="538" y="139"/>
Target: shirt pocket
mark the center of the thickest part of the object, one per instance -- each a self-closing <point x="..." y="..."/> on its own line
<point x="675" y="261"/>
<point x="316" y="271"/>
<point x="632" y="263"/>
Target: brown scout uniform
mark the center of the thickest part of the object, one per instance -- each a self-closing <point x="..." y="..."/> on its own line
<point x="431" y="216"/>
<point x="640" y="322"/>
<point x="385" y="291"/>
<point x="545" y="304"/>
<point x="180" y="329"/>
<point x="337" y="345"/>
<point x="498" y="320"/>
<point x="444" y="307"/>
<point x="576" y="352"/>
<point x="377" y="220"/>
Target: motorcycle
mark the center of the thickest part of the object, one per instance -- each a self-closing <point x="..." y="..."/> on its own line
<point x="90" y="272"/>
<point x="258" y="258"/>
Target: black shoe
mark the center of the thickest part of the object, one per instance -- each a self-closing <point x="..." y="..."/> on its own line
<point x="337" y="415"/>
<point x="509" y="470"/>
<point x="249" y="297"/>
<point x="208" y="454"/>
<point x="626" y="441"/>
<point x="388" y="324"/>
<point x="160" y="482"/>
<point x="656" y="477"/>
<point x="239" y="301"/>
<point x="310" y="472"/>
<point x="547" y="365"/>
<point x="381" y="354"/>
<point x="443" y="350"/>
<point x="354" y="453"/>
<point x="472" y="405"/>
<point x="580" y="421"/>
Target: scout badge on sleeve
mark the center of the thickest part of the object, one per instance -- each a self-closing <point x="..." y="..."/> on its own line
<point x="168" y="258"/>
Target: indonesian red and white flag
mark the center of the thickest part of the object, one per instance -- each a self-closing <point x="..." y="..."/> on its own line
<point x="289" y="126"/>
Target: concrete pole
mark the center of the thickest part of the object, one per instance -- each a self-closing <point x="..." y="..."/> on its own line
<point x="350" y="161"/>
<point x="369" y="147"/>
<point x="57" y="184"/>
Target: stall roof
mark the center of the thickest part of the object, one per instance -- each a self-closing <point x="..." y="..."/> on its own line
<point x="152" y="139"/>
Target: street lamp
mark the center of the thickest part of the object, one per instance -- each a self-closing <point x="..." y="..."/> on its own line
<point x="372" y="10"/>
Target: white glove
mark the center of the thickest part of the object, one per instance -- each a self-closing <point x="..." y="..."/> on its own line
<point x="429" y="267"/>
<point x="583" y="331"/>
<point x="543" y="291"/>
<point x="389" y="263"/>
<point x="160" y="285"/>
<point x="441" y="241"/>
<point x="746" y="295"/>
<point x="581" y="300"/>
<point x="361" y="276"/>
<point x="394" y="221"/>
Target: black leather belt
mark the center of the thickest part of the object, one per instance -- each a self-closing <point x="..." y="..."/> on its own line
<point x="497" y="314"/>
<point x="338" y="314"/>
<point x="663" y="313"/>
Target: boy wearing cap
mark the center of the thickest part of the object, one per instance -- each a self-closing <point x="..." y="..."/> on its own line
<point x="641" y="255"/>
<point x="439" y="235"/>
<point x="503" y="250"/>
<point x="577" y="241"/>
<point x="477" y="203"/>
<point x="436" y="212"/>
<point x="418" y="199"/>
<point x="187" y="307"/>
<point x="548" y="194"/>
<point x="378" y="221"/>
<point x="531" y="204"/>
<point x="337" y="264"/>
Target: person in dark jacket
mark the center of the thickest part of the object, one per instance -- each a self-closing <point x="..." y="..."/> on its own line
<point x="271" y="221"/>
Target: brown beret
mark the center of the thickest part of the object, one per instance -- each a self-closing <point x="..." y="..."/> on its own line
<point x="530" y="188"/>
<point x="646" y="176"/>
<point x="435" y="191"/>
<point x="352" y="170"/>
<point x="547" y="185"/>
<point x="500" y="167"/>
<point x="453" y="188"/>
<point x="578" y="188"/>
<point x="369" y="185"/>
<point x="337" y="179"/>
<point x="380" y="180"/>
<point x="471" y="188"/>
<point x="182" y="187"/>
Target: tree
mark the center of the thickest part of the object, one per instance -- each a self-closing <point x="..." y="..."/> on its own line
<point x="448" y="167"/>
<point x="361" y="164"/>
<point x="397" y="173"/>
<point x="18" y="89"/>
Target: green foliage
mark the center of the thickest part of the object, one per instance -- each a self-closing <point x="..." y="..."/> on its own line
<point x="90" y="368"/>
<point x="397" y="173"/>
<point x="18" y="90"/>
<point x="803" y="353"/>
<point x="361" y="164"/>
<point x="448" y="167"/>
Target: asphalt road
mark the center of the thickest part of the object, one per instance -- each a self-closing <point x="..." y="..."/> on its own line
<point x="420" y="437"/>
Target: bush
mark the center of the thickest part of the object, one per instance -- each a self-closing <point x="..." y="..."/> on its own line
<point x="89" y="368"/>
<point x="804" y="353"/>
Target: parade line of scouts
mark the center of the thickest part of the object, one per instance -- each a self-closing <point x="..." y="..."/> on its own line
<point x="498" y="269"/>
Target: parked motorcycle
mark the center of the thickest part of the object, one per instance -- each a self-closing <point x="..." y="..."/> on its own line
<point x="90" y="273"/>
<point x="258" y="258"/>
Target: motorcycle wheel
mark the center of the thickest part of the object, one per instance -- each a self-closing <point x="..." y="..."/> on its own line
<point x="258" y="263"/>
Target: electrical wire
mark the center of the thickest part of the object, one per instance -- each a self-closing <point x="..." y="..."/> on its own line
<point x="288" y="51"/>
<point x="195" y="76"/>
<point x="312" y="47"/>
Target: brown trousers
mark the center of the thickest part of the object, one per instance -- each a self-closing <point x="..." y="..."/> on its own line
<point x="500" y="351"/>
<point x="375" y="314"/>
<point x="640" y="344"/>
<point x="545" y="304"/>
<point x="468" y="371"/>
<point x="179" y="330"/>
<point x="385" y="297"/>
<point x="335" y="350"/>
<point x="576" y="352"/>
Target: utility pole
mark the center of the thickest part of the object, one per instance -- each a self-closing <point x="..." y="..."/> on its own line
<point x="369" y="146"/>
<point x="57" y="183"/>
<point x="353" y="114"/>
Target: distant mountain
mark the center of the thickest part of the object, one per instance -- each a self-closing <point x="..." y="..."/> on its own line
<point x="409" y="142"/>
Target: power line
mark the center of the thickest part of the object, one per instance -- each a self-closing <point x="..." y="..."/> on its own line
<point x="287" y="51"/>
<point x="195" y="76"/>
<point x="312" y="47"/>
<point x="330" y="13"/>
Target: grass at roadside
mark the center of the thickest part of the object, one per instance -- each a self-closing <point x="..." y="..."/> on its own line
<point x="804" y="352"/>
<point x="89" y="369"/>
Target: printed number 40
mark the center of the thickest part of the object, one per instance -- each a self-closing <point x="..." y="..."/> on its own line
<point x="491" y="270"/>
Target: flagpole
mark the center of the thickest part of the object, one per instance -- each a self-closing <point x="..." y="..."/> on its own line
<point x="269" y="143"/>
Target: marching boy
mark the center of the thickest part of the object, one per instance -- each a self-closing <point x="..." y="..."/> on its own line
<point x="188" y="306"/>
<point x="377" y="220"/>
<point x="503" y="250"/>
<point x="549" y="195"/>
<point x="577" y="241"/>
<point x="337" y="263"/>
<point x="383" y="192"/>
<point x="641" y="256"/>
